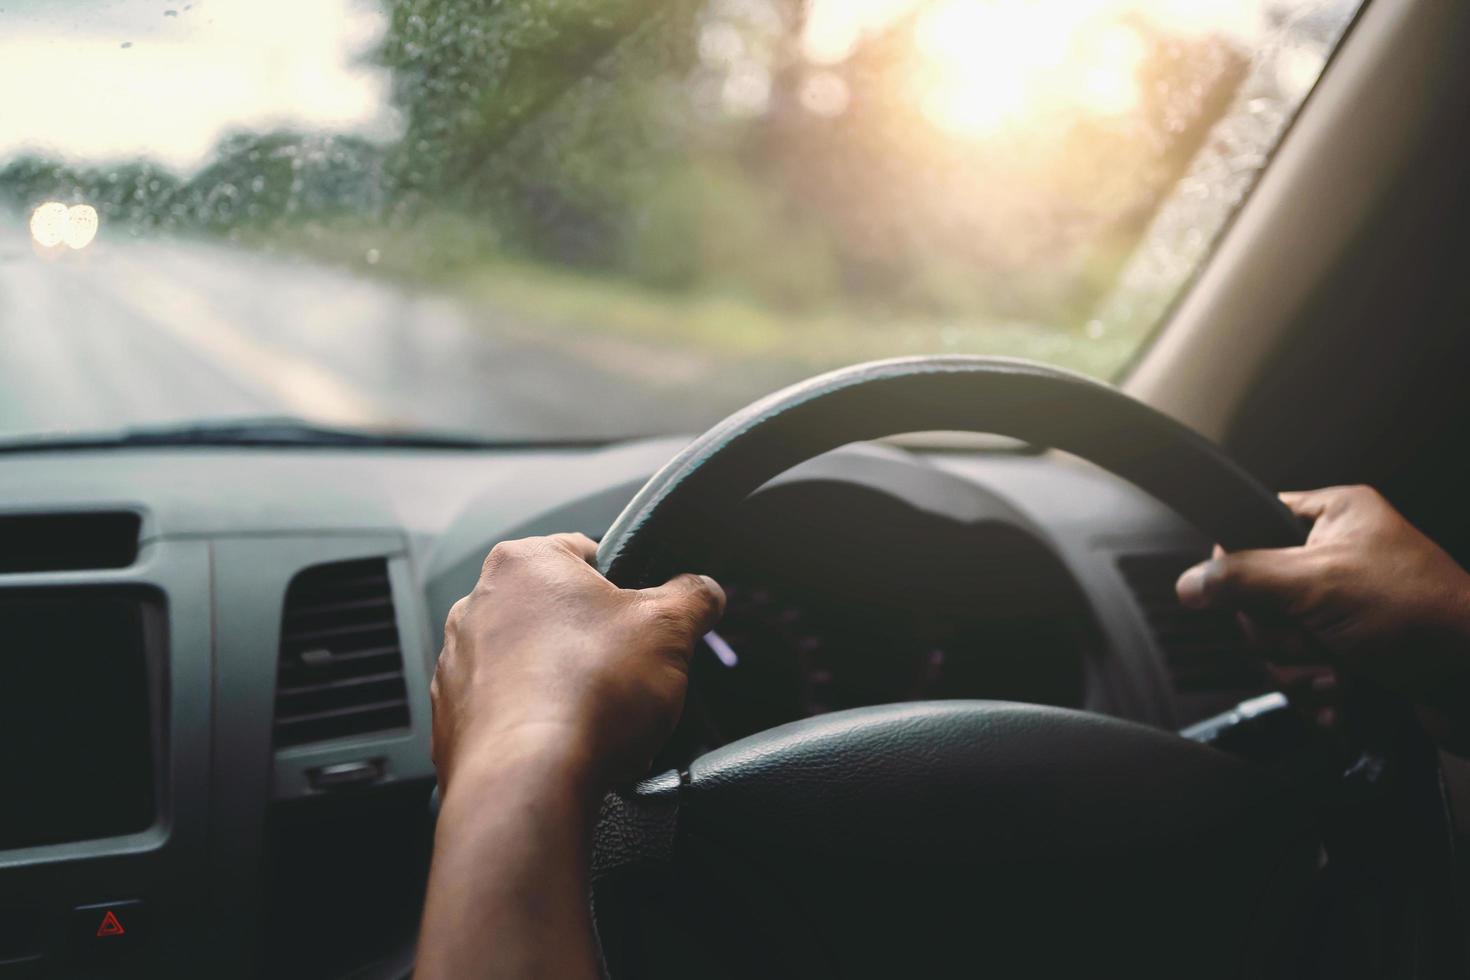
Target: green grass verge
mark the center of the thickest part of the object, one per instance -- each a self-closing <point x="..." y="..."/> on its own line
<point x="562" y="307"/>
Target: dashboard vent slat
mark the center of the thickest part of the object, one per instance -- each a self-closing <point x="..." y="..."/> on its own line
<point x="340" y="671"/>
<point x="344" y="607"/>
<point x="322" y="634"/>
<point x="1205" y="652"/>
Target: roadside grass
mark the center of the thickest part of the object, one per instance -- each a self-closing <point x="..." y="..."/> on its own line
<point x="575" y="305"/>
<point x="582" y="313"/>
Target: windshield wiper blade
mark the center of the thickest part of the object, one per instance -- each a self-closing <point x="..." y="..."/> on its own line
<point x="277" y="432"/>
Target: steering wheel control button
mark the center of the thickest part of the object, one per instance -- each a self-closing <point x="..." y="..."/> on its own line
<point x="108" y="930"/>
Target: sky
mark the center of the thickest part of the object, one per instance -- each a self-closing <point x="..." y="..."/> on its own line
<point x="96" y="81"/>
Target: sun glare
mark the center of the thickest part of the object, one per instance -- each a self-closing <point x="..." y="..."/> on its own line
<point x="834" y="28"/>
<point x="984" y="62"/>
<point x="1108" y="75"/>
<point x="986" y="66"/>
<point x="989" y="64"/>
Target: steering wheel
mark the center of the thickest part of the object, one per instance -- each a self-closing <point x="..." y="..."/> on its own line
<point x="957" y="837"/>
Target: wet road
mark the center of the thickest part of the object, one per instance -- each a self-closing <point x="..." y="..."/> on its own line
<point x="146" y="333"/>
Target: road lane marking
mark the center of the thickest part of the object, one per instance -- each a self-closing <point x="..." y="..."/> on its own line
<point x="303" y="388"/>
<point x="41" y="387"/>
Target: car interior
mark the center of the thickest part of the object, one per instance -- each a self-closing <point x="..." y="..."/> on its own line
<point x="954" y="721"/>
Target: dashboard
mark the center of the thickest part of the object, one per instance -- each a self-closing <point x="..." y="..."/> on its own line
<point x="214" y="716"/>
<point x="843" y="594"/>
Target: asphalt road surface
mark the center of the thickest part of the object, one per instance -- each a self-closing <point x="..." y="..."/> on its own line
<point x="137" y="333"/>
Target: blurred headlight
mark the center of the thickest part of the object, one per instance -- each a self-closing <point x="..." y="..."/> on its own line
<point x="48" y="224"/>
<point x="53" y="224"/>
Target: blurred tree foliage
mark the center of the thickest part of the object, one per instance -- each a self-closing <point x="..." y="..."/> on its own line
<point x="591" y="134"/>
<point x="468" y="76"/>
<point x="253" y="181"/>
<point x="587" y="133"/>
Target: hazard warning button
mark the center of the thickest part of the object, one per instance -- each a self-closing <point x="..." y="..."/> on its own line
<point x="106" y="930"/>
<point x="110" y="926"/>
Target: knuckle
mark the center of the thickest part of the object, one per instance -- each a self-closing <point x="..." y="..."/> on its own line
<point x="705" y="600"/>
<point x="1340" y="500"/>
<point x="455" y="618"/>
<point x="499" y="554"/>
<point x="503" y="554"/>
<point x="668" y="619"/>
<point x="695" y="602"/>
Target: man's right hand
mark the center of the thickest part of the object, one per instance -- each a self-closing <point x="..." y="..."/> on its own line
<point x="547" y="651"/>
<point x="553" y="684"/>
<point x="1367" y="590"/>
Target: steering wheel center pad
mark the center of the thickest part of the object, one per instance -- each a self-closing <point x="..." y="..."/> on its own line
<point x="913" y="838"/>
<point x="943" y="781"/>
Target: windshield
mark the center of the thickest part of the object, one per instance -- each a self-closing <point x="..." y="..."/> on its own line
<point x="544" y="219"/>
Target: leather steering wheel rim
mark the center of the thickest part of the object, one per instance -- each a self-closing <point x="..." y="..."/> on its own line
<point x="908" y="836"/>
<point x="682" y="507"/>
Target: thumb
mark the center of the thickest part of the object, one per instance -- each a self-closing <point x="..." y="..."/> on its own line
<point x="696" y="600"/>
<point x="1249" y="581"/>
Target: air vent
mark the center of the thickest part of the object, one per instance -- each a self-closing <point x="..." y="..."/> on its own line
<point x="1205" y="651"/>
<point x="341" y="668"/>
<point x="66" y="542"/>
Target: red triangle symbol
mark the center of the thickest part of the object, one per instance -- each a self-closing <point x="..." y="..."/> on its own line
<point x="110" y="926"/>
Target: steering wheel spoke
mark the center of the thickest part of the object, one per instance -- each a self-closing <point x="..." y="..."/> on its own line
<point x="906" y="839"/>
<point x="637" y="827"/>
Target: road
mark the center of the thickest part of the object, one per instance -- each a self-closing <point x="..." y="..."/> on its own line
<point x="129" y="333"/>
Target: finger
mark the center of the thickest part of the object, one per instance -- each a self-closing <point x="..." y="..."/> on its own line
<point x="1308" y="504"/>
<point x="577" y="544"/>
<point x="1329" y="501"/>
<point x="1281" y="642"/>
<point x="1269" y="581"/>
<point x="1314" y="692"/>
<point x="696" y="600"/>
<point x="1315" y="683"/>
